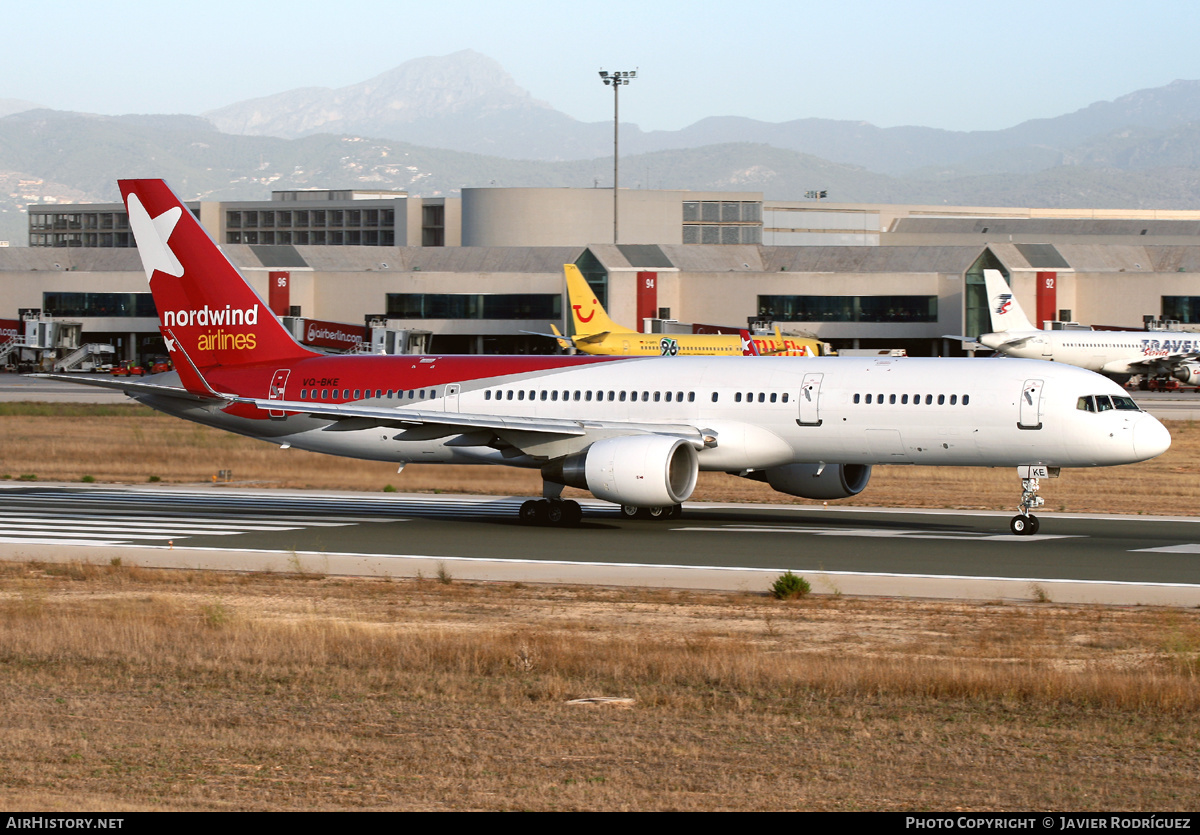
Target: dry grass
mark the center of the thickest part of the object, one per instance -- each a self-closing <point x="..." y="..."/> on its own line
<point x="133" y="444"/>
<point x="128" y="688"/>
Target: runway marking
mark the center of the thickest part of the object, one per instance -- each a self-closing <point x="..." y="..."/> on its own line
<point x="879" y="533"/>
<point x="1186" y="548"/>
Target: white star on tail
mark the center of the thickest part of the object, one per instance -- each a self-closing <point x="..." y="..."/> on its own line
<point x="152" y="235"/>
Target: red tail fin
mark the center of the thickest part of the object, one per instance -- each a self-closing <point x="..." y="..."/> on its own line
<point x="207" y="310"/>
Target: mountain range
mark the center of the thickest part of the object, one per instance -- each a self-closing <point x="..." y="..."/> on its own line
<point x="436" y="125"/>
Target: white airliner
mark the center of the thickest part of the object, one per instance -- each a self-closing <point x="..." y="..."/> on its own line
<point x="633" y="431"/>
<point x="1116" y="354"/>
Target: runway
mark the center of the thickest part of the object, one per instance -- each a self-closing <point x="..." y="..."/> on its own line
<point x="1075" y="558"/>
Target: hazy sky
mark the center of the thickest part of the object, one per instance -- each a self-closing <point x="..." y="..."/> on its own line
<point x="958" y="65"/>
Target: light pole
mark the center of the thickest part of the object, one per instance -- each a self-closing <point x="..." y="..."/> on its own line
<point x="615" y="80"/>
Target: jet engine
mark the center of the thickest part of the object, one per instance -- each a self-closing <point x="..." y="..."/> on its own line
<point x="636" y="470"/>
<point x="1188" y="374"/>
<point x="816" y="481"/>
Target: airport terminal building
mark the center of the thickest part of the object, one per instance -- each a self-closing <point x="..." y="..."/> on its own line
<point x="483" y="273"/>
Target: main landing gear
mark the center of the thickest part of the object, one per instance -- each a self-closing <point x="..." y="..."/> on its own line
<point x="1025" y="523"/>
<point x="667" y="512"/>
<point x="556" y="512"/>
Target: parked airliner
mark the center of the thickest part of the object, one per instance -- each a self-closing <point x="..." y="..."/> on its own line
<point x="1115" y="354"/>
<point x="633" y="431"/>
<point x="596" y="333"/>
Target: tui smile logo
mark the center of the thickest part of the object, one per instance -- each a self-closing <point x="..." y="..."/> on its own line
<point x="579" y="312"/>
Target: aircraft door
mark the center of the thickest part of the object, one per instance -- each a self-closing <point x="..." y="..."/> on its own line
<point x="452" y="391"/>
<point x="1031" y="405"/>
<point x="277" y="389"/>
<point x="810" y="400"/>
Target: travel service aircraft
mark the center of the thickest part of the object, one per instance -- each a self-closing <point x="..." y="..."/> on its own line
<point x="632" y="431"/>
<point x="1115" y="354"/>
<point x="596" y="333"/>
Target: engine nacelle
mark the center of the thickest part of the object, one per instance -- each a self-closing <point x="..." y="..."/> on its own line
<point x="835" y="481"/>
<point x="638" y="470"/>
<point x="1187" y="374"/>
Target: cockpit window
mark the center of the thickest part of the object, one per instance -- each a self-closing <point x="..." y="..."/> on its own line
<point x="1104" y="402"/>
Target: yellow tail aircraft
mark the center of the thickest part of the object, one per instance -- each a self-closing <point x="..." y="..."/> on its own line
<point x="596" y="333"/>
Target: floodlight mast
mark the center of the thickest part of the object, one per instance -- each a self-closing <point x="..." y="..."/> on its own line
<point x="616" y="80"/>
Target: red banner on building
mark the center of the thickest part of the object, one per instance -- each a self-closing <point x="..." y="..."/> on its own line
<point x="647" y="297"/>
<point x="279" y="296"/>
<point x="9" y="330"/>
<point x="1047" y="298"/>
<point x="340" y="335"/>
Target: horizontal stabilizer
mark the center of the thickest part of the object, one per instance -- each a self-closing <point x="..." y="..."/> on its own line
<point x="130" y="387"/>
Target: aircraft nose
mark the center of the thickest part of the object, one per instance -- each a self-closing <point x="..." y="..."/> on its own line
<point x="1150" y="438"/>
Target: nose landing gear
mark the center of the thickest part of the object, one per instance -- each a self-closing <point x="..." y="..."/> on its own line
<point x="1025" y="523"/>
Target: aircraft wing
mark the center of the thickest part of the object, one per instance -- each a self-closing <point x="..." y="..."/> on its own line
<point x="524" y="433"/>
<point x="1162" y="365"/>
<point x="130" y="387"/>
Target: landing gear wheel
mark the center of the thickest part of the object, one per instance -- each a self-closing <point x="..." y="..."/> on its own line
<point x="533" y="512"/>
<point x="573" y="513"/>
<point x="565" y="513"/>
<point x="1024" y="525"/>
<point x="630" y="511"/>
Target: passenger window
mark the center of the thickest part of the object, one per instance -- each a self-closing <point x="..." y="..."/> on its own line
<point x="929" y="400"/>
<point x="953" y="399"/>
<point x="324" y="394"/>
<point x="737" y="397"/>
<point x="904" y="400"/>
<point x="692" y="396"/>
<point x="966" y="399"/>
<point x="856" y="397"/>
<point x="303" y="394"/>
<point x="762" y="397"/>
<point x="714" y="397"/>
<point x="487" y="395"/>
<point x="622" y="397"/>
<point x="892" y="399"/>
<point x="785" y="397"/>
<point x="544" y="395"/>
<point x="941" y="400"/>
<point x="773" y="396"/>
